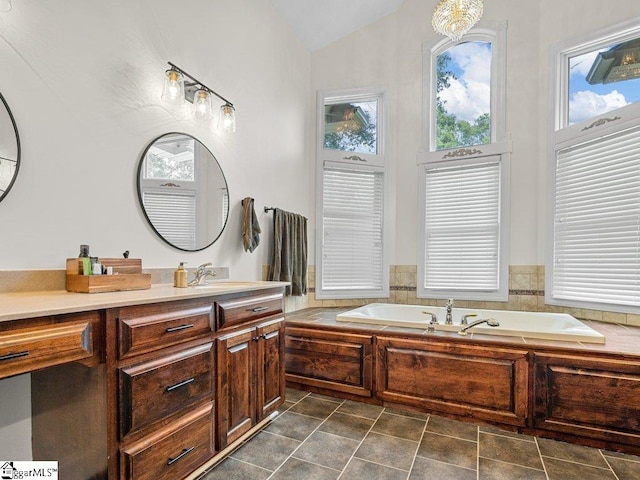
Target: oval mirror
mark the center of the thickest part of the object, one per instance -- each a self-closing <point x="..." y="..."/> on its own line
<point x="9" y="149"/>
<point x="183" y="192"/>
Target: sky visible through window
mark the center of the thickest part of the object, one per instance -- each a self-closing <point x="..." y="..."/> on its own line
<point x="587" y="101"/>
<point x="463" y="95"/>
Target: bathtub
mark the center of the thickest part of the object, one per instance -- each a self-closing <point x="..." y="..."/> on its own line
<point x="545" y="326"/>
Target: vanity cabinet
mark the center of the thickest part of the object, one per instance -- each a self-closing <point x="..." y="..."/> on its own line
<point x="30" y="345"/>
<point x="332" y="361"/>
<point x="588" y="396"/>
<point x="250" y="373"/>
<point x="456" y="379"/>
<point x="164" y="388"/>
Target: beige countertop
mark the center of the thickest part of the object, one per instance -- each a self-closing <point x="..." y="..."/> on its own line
<point x="15" y="306"/>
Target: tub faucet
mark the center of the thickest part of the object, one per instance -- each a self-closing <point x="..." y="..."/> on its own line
<point x="449" y="319"/>
<point x="202" y="272"/>
<point x="465" y="318"/>
<point x="434" y="319"/>
<point x="492" y="322"/>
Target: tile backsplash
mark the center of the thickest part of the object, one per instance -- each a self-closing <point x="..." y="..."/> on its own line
<point x="526" y="293"/>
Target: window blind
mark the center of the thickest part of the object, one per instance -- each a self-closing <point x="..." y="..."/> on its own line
<point x="352" y="223"/>
<point x="597" y="221"/>
<point x="173" y="215"/>
<point x="462" y="227"/>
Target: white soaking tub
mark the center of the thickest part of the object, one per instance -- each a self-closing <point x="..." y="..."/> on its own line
<point x="546" y="326"/>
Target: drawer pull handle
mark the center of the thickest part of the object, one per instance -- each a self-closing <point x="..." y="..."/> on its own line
<point x="11" y="356"/>
<point x="185" y="452"/>
<point x="259" y="309"/>
<point x="181" y="327"/>
<point x="178" y="385"/>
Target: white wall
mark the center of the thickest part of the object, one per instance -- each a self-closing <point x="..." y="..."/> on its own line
<point x="389" y="53"/>
<point x="83" y="79"/>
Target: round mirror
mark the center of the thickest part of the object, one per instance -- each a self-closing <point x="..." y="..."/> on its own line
<point x="9" y="149"/>
<point x="183" y="192"/>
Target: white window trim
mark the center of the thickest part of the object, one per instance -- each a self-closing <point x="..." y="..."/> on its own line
<point x="561" y="136"/>
<point x="372" y="162"/>
<point x="502" y="293"/>
<point x="497" y="35"/>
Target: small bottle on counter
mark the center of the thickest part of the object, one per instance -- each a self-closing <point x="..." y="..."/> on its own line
<point x="96" y="266"/>
<point x="180" y="276"/>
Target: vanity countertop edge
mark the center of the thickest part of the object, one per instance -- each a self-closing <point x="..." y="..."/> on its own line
<point x="31" y="304"/>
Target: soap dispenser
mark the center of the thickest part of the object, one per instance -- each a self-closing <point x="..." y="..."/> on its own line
<point x="180" y="276"/>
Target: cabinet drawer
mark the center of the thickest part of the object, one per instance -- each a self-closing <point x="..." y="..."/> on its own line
<point x="152" y="390"/>
<point x="147" y="328"/>
<point x="27" y="349"/>
<point x="173" y="452"/>
<point x="238" y="310"/>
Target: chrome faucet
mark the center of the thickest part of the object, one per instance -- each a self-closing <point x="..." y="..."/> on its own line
<point x="434" y="319"/>
<point x="449" y="318"/>
<point x="492" y="322"/>
<point x="202" y="272"/>
<point x="465" y="318"/>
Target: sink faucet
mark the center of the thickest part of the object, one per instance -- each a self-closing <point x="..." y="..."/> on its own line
<point x="202" y="272"/>
<point x="492" y="322"/>
<point x="449" y="319"/>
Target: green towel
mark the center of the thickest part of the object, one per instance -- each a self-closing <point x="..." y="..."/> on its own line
<point x="289" y="261"/>
<point x="250" y="226"/>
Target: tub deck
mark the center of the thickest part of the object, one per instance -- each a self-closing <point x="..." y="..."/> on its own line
<point x="538" y="325"/>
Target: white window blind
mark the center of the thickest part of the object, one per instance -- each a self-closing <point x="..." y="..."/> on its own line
<point x="352" y="223"/>
<point x="597" y="221"/>
<point x="173" y="215"/>
<point x="462" y="227"/>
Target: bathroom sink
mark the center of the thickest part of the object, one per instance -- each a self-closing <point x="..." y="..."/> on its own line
<point x="229" y="284"/>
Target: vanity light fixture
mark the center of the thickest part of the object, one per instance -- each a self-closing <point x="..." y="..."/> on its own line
<point x="177" y="90"/>
<point x="454" y="18"/>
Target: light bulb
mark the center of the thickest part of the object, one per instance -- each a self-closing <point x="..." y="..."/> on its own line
<point x="202" y="105"/>
<point x="173" y="91"/>
<point x="227" y="119"/>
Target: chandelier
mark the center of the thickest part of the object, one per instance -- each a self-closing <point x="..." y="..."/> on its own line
<point x="454" y="18"/>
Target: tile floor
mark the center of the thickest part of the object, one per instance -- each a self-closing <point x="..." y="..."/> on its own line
<point x="324" y="438"/>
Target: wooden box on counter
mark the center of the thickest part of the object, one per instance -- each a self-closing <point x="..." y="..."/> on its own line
<point x="127" y="275"/>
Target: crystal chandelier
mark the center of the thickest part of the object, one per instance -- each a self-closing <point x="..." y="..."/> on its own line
<point x="454" y="18"/>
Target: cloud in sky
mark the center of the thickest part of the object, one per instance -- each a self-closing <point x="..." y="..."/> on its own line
<point x="469" y="96"/>
<point x="581" y="64"/>
<point x="587" y="104"/>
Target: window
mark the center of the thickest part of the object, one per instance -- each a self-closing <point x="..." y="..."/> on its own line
<point x="464" y="165"/>
<point x="593" y="258"/>
<point x="351" y="255"/>
<point x="169" y="187"/>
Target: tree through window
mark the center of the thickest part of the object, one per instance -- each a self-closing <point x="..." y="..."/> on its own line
<point x="463" y="95"/>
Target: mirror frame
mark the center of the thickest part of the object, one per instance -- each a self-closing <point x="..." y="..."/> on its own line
<point x="144" y="211"/>
<point x="18" y="149"/>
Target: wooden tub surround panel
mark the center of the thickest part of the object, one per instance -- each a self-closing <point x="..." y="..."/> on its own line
<point x="469" y="381"/>
<point x="582" y="394"/>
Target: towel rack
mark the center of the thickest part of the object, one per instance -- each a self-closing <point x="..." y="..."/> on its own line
<point x="266" y="209"/>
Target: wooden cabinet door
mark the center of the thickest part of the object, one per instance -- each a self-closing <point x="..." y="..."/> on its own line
<point x="270" y="367"/>
<point x="466" y="380"/>
<point x="588" y="396"/>
<point x="335" y="361"/>
<point x="236" y="384"/>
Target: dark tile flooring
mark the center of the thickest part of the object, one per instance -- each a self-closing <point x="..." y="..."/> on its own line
<point x="324" y="438"/>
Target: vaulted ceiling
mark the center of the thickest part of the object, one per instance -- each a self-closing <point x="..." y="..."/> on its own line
<point x="320" y="22"/>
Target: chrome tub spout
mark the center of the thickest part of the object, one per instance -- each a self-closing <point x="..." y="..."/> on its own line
<point x="492" y="322"/>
